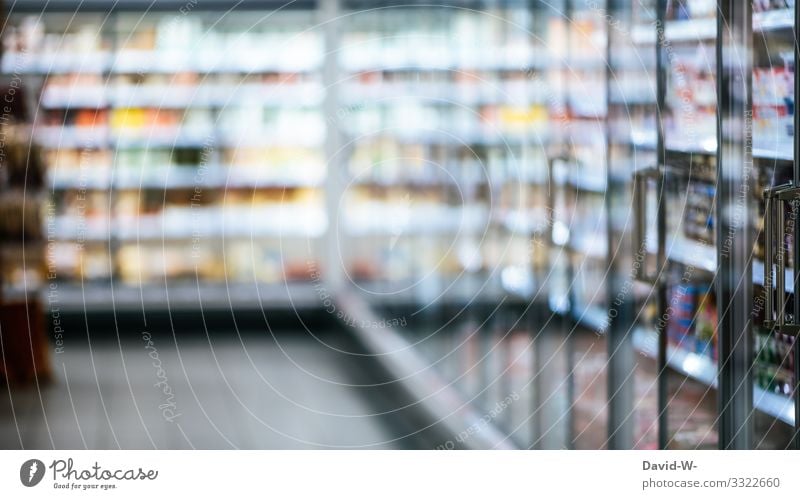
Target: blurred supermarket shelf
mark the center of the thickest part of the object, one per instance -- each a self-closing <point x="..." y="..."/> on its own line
<point x="396" y="219"/>
<point x="78" y="137"/>
<point x="704" y="146"/>
<point x="590" y="243"/>
<point x="178" y="296"/>
<point x="166" y="62"/>
<point x="179" y="96"/>
<point x="360" y="59"/>
<point x="587" y="182"/>
<point x="773" y="20"/>
<point x="194" y="224"/>
<point x="186" y="294"/>
<point x="777" y="406"/>
<point x="634" y="96"/>
<point x="486" y="136"/>
<point x="703" y="29"/>
<point x="85" y="6"/>
<point x="643" y="34"/>
<point x="446" y="93"/>
<point x="185" y="177"/>
<point x="703" y="369"/>
<point x="644" y="139"/>
<point x="697" y="366"/>
<point x="689" y="252"/>
<point x="535" y="221"/>
<point x="508" y="284"/>
<point x="781" y="150"/>
<point x="592" y="317"/>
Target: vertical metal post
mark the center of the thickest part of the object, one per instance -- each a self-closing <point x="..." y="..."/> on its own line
<point x="768" y="245"/>
<point x="619" y="331"/>
<point x="796" y="182"/>
<point x="329" y="12"/>
<point x="780" y="271"/>
<point x="734" y="283"/>
<point x="796" y="389"/>
<point x="661" y="292"/>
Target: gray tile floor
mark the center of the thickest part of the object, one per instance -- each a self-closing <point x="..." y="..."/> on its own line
<point x="256" y="392"/>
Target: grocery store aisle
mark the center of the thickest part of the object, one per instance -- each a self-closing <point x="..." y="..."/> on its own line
<point x="254" y="391"/>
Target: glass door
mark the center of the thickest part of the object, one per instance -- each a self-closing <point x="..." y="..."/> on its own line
<point x="773" y="138"/>
<point x="685" y="326"/>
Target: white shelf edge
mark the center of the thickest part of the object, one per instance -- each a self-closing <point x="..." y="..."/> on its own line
<point x="697" y="254"/>
<point x="592" y="317"/>
<point x="779" y="153"/>
<point x="773" y="20"/>
<point x="699" y="30"/>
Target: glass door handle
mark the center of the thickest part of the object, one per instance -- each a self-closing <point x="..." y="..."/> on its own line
<point x="641" y="270"/>
<point x="776" y="201"/>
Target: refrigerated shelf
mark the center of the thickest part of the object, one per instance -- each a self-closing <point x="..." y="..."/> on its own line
<point x="429" y="61"/>
<point x="75" y="137"/>
<point x="644" y="140"/>
<point x="528" y="222"/>
<point x="592" y="317"/>
<point x="193" y="224"/>
<point x="695" y="253"/>
<point x="491" y="136"/>
<point x="704" y="29"/>
<point x="181" y="177"/>
<point x="777" y="406"/>
<point x="703" y="369"/>
<point x="92" y="297"/>
<point x="643" y="34"/>
<point x="783" y="151"/>
<point x="447" y="94"/>
<point x="696" y="366"/>
<point x="707" y="147"/>
<point x="154" y="63"/>
<point x="182" y="96"/>
<point x="591" y="245"/>
<point x="773" y="20"/>
<point x="588" y="183"/>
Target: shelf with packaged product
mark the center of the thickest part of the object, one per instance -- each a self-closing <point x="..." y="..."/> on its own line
<point x="689" y="30"/>
<point x="766" y="18"/>
<point x="154" y="132"/>
<point x="186" y="294"/>
<point x="592" y="317"/>
<point x="73" y="93"/>
<point x="508" y="91"/>
<point x="445" y="115"/>
<point x="579" y="217"/>
<point x="690" y="93"/>
<point x="703" y="369"/>
<point x="694" y="253"/>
